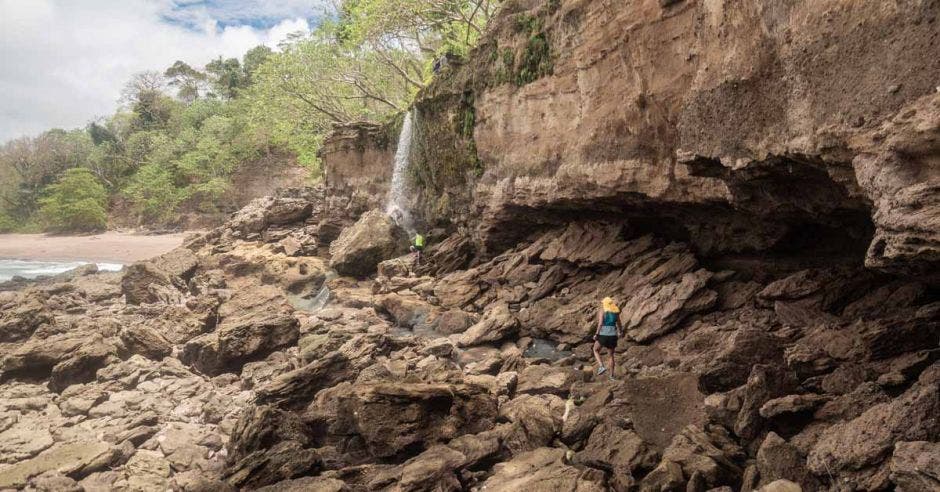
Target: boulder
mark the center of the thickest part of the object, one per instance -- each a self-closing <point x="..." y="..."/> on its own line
<point x="68" y="358"/>
<point x="156" y="280"/>
<point x="542" y="469"/>
<point x="543" y="378"/>
<point x="22" y="316"/>
<point x="656" y="309"/>
<point x="392" y="418"/>
<point x="777" y="459"/>
<point x="781" y="485"/>
<point x="266" y="211"/>
<point x="732" y="364"/>
<point x="241" y="339"/>
<point x="307" y="484"/>
<point x="708" y="453"/>
<point x="144" y="340"/>
<point x="453" y="321"/>
<point x="915" y="466"/>
<point x="497" y="324"/>
<point x="361" y="247"/>
<point x="267" y="446"/>
<point x="622" y="452"/>
<point x="855" y="450"/>
<point x="398" y="267"/>
<point x="536" y="418"/>
<point x="791" y="404"/>
<point x="434" y="469"/>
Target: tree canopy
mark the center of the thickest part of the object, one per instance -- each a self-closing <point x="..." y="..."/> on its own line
<point x="182" y="132"/>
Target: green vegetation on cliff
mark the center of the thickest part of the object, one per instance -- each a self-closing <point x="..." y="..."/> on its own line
<point x="180" y="134"/>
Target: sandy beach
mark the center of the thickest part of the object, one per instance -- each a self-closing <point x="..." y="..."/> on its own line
<point x="111" y="247"/>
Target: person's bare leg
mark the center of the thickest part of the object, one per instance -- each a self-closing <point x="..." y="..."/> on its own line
<point x="610" y="368"/>
<point x="597" y="354"/>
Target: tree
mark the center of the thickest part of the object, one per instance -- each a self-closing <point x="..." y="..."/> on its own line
<point x="226" y="76"/>
<point x="188" y="81"/>
<point x="422" y="28"/>
<point x="153" y="193"/>
<point x="140" y="84"/>
<point x="253" y="59"/>
<point x="76" y="202"/>
<point x="30" y="164"/>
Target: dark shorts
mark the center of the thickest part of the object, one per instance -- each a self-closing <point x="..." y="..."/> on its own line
<point x="607" y="341"/>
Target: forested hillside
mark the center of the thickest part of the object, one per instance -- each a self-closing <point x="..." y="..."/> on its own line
<point x="182" y="133"/>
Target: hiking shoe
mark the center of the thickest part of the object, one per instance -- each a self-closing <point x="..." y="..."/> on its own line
<point x="611" y="378"/>
<point x="601" y="370"/>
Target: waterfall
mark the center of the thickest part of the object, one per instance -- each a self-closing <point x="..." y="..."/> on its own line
<point x="396" y="206"/>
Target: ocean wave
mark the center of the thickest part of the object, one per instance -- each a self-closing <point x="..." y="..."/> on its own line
<point x="32" y="268"/>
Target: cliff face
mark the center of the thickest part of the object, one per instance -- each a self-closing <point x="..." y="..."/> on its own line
<point x="739" y="126"/>
<point x="359" y="158"/>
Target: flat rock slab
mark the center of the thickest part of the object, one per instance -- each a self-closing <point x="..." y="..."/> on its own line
<point x="66" y="459"/>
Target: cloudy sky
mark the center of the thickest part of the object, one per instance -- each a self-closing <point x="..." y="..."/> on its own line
<point x="63" y="62"/>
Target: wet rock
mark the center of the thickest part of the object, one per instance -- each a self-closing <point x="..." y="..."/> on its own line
<point x="408" y="311"/>
<point x="362" y="246"/>
<point x="915" y="466"/>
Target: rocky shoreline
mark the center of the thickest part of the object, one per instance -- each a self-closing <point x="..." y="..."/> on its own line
<point x="207" y="369"/>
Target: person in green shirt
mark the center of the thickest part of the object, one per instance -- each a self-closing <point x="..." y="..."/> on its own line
<point x="417" y="246"/>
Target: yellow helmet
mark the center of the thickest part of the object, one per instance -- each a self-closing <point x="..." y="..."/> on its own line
<point x="609" y="305"/>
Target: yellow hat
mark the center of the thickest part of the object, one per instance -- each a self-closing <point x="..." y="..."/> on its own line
<point x="609" y="305"/>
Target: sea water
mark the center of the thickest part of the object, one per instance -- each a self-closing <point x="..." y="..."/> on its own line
<point x="34" y="268"/>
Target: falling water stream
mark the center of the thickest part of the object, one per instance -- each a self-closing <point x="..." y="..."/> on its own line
<point x="396" y="206"/>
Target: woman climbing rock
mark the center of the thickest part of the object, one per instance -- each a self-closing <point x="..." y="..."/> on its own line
<point x="606" y="334"/>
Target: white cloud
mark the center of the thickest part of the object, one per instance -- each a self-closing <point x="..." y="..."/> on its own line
<point x="63" y="62"/>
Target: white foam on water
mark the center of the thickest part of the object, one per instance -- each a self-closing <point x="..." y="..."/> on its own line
<point x="33" y="268"/>
<point x="396" y="205"/>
